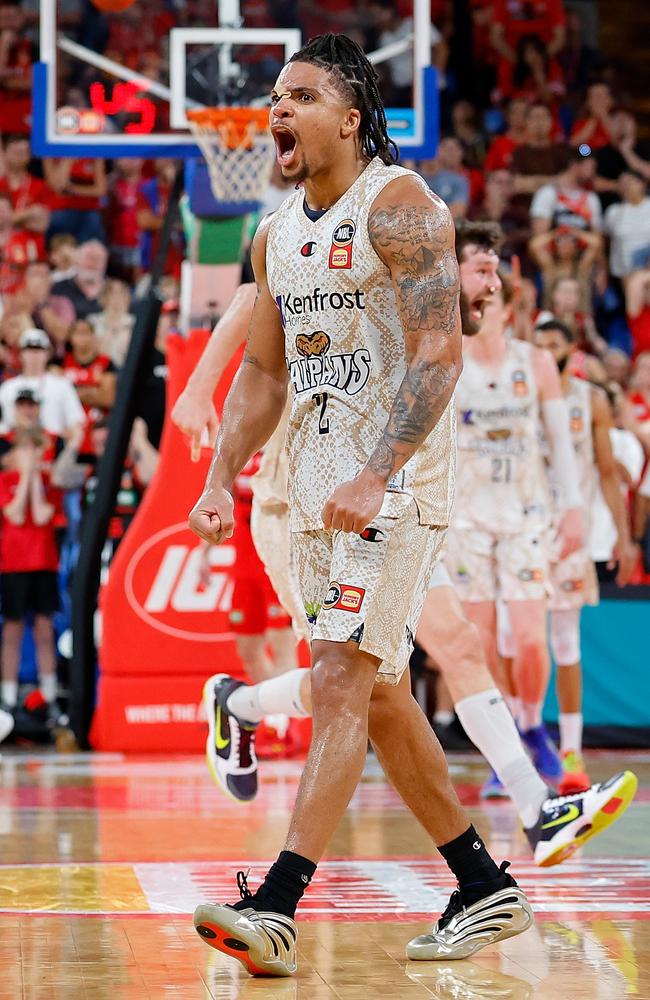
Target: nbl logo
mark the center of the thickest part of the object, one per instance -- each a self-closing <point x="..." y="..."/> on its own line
<point x="341" y="249"/>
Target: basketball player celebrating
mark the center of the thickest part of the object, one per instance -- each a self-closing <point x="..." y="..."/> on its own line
<point x="497" y="545"/>
<point x="358" y="297"/>
<point x="573" y="578"/>
<point x="554" y="826"/>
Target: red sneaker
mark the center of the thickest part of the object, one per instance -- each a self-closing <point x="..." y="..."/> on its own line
<point x="574" y="778"/>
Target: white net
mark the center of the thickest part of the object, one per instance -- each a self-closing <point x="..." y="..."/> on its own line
<point x="239" y="173"/>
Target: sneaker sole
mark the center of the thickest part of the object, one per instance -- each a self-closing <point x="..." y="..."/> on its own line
<point x="621" y="796"/>
<point x="220" y="928"/>
<point x="208" y="703"/>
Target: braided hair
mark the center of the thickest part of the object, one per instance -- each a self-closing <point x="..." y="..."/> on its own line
<point x="357" y="81"/>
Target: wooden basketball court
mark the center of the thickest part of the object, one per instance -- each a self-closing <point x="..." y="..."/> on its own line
<point x="105" y="857"/>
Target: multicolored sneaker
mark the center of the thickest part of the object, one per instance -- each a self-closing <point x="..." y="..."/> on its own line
<point x="575" y="777"/>
<point x="463" y="930"/>
<point x="492" y="788"/>
<point x="264" y="942"/>
<point x="230" y="747"/>
<point x="566" y="822"/>
<point x="544" y="753"/>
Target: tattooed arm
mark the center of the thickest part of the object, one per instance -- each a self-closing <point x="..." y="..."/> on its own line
<point x="252" y="409"/>
<point x="413" y="233"/>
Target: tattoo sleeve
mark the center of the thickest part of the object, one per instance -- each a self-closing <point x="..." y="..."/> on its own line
<point x="417" y="243"/>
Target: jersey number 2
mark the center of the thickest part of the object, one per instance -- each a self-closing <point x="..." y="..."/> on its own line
<point x="321" y="399"/>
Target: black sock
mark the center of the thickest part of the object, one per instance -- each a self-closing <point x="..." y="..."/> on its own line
<point x="284" y="885"/>
<point x="478" y="875"/>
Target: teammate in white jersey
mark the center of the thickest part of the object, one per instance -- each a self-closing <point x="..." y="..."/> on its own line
<point x="555" y="828"/>
<point x="358" y="296"/>
<point x="498" y="542"/>
<point x="573" y="579"/>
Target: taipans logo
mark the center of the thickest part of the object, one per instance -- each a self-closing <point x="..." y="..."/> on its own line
<point x="316" y="368"/>
<point x="309" y="344"/>
<point x="308" y="249"/>
<point x="341" y="249"/>
<point x="519" y="383"/>
<point x="163" y="586"/>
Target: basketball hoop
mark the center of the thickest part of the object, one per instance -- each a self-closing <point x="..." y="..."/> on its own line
<point x="237" y="145"/>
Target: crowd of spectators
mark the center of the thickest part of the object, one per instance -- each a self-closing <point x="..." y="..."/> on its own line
<point x="537" y="137"/>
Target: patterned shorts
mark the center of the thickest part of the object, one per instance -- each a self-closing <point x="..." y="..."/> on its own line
<point x="573" y="582"/>
<point x="272" y="538"/>
<point x="487" y="567"/>
<point x="369" y="588"/>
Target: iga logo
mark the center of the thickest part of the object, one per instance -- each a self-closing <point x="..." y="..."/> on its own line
<point x="163" y="585"/>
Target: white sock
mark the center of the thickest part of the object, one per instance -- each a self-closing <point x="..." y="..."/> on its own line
<point x="48" y="685"/>
<point x="9" y="691"/>
<point x="443" y="718"/>
<point x="531" y="715"/>
<point x="280" y="695"/>
<point x="514" y="704"/>
<point x="491" y="728"/>
<point x="570" y="731"/>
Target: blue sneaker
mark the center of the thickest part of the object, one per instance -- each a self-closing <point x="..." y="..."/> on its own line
<point x="544" y="753"/>
<point x="493" y="789"/>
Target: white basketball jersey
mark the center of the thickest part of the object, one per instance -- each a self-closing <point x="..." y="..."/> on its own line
<point x="500" y="486"/>
<point x="578" y="400"/>
<point x="346" y="356"/>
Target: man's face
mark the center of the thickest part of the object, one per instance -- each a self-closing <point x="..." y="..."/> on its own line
<point x="539" y="123"/>
<point x="585" y="171"/>
<point x="38" y="281"/>
<point x="479" y="280"/>
<point x="91" y="259"/>
<point x="17" y="154"/>
<point x="26" y="413"/>
<point x="555" y="342"/>
<point x="500" y="182"/>
<point x="450" y="154"/>
<point x="309" y="121"/>
<point x="632" y="187"/>
<point x="34" y="360"/>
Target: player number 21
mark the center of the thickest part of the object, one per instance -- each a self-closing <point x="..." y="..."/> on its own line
<point x="321" y="399"/>
<point x="501" y="470"/>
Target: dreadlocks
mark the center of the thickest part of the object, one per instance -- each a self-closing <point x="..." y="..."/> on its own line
<point x="358" y="83"/>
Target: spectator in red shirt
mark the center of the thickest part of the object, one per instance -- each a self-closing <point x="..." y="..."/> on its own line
<point x="93" y="376"/>
<point x="79" y="186"/>
<point x="593" y="129"/>
<point x="28" y="563"/>
<point x="16" y="60"/>
<point x="30" y="197"/>
<point x="637" y="308"/>
<point x="122" y="218"/>
<point x="499" y="154"/>
<point x="534" y="76"/>
<point x="17" y="248"/>
<point x="513" y="20"/>
<point x="153" y="199"/>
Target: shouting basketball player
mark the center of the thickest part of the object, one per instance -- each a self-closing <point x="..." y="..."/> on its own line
<point x="357" y="307"/>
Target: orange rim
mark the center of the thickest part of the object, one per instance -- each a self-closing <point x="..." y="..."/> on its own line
<point x="236" y="127"/>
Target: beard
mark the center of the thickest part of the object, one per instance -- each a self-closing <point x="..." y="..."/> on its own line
<point x="469" y="326"/>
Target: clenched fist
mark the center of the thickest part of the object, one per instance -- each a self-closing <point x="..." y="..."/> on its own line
<point x="212" y="516"/>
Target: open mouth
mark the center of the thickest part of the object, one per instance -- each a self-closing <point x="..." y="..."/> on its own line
<point x="476" y="309"/>
<point x="285" y="145"/>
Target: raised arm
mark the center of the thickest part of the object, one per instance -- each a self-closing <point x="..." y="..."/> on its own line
<point x="412" y="232"/>
<point x="194" y="409"/>
<point x="252" y="409"/>
<point x="625" y="553"/>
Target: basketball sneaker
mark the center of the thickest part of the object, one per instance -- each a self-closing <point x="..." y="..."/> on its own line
<point x="544" y="753"/>
<point x="265" y="943"/>
<point x="492" y="788"/>
<point x="463" y="930"/>
<point x="575" y="777"/>
<point x="230" y="747"/>
<point x="566" y="822"/>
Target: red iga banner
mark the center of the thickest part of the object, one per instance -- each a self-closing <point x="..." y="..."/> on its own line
<point x="163" y="632"/>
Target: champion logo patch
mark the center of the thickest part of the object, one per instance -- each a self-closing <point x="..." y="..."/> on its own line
<point x="341" y="249"/>
<point x="308" y="250"/>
